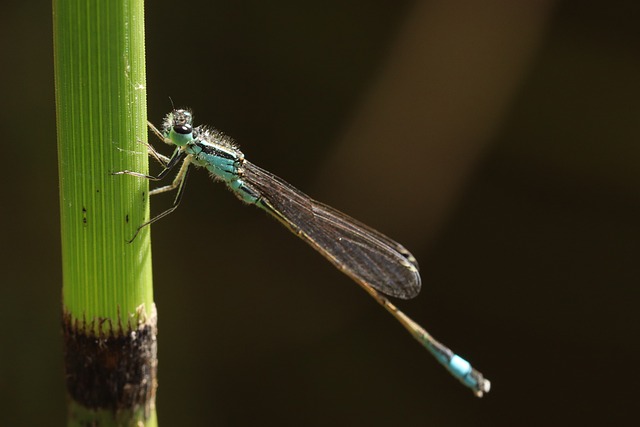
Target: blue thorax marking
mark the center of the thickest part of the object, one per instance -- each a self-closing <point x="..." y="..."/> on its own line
<point x="223" y="162"/>
<point x="222" y="159"/>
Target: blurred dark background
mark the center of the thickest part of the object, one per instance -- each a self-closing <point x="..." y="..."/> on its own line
<point x="497" y="140"/>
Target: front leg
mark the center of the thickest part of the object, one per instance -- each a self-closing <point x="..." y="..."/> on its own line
<point x="158" y="133"/>
<point x="177" y="156"/>
<point x="160" y="158"/>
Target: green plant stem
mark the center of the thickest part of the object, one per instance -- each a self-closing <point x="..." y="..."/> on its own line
<point x="101" y="122"/>
<point x="101" y="105"/>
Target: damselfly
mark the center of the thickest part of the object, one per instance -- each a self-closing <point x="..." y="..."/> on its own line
<point x="374" y="261"/>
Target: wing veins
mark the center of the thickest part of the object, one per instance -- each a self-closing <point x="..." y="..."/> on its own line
<point x="364" y="254"/>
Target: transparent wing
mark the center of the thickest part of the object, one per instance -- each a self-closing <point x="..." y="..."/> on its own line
<point x="364" y="254"/>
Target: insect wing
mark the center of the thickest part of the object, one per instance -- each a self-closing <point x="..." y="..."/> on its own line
<point x="364" y="254"/>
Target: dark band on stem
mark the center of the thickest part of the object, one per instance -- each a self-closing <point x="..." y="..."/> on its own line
<point x="113" y="369"/>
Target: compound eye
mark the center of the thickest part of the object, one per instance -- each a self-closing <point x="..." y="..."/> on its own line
<point x="183" y="129"/>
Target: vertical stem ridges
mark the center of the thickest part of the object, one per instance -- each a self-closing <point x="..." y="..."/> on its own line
<point x="107" y="289"/>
